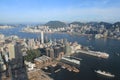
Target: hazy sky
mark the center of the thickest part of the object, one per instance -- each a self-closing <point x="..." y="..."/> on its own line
<point x="17" y="11"/>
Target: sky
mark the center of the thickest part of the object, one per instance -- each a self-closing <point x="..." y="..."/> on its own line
<point x="35" y="11"/>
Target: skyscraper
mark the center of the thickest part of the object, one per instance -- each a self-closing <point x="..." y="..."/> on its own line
<point x="18" y="55"/>
<point x="50" y="52"/>
<point x="67" y="49"/>
<point x="11" y="51"/>
<point x="42" y="37"/>
<point x="56" y="51"/>
<point x="18" y="50"/>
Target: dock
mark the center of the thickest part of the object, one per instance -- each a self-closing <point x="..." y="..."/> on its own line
<point x="71" y="64"/>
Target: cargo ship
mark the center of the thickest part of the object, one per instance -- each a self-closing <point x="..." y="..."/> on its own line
<point x="103" y="73"/>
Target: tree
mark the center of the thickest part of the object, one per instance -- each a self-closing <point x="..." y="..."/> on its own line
<point x="32" y="54"/>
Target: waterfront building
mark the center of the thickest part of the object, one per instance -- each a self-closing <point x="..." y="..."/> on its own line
<point x="1" y="36"/>
<point x="75" y="46"/>
<point x="42" y="61"/>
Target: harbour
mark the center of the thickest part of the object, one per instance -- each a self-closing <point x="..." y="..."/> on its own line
<point x="87" y="67"/>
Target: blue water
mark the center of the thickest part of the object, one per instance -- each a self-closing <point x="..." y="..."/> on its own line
<point x="89" y="63"/>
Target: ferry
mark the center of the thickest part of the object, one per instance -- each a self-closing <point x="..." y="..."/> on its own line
<point x="107" y="74"/>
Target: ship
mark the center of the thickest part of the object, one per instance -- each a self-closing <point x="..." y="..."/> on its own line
<point x="103" y="73"/>
<point x="100" y="54"/>
<point x="94" y="53"/>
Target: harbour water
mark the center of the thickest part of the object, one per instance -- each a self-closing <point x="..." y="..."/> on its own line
<point x="88" y="63"/>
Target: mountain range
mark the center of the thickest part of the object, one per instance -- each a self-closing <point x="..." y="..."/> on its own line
<point x="59" y="24"/>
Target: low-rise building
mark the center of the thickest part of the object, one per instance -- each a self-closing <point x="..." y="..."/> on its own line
<point x="42" y="61"/>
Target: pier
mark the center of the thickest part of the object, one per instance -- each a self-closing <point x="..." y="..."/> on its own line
<point x="70" y="63"/>
<point x="69" y="67"/>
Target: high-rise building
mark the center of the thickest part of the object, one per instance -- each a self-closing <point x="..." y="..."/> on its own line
<point x="67" y="49"/>
<point x="62" y="48"/>
<point x="65" y="41"/>
<point x="42" y="37"/>
<point x="56" y="51"/>
<point x="18" y="50"/>
<point x="31" y="43"/>
<point x="47" y="51"/>
<point x="11" y="51"/>
<point x="1" y="62"/>
<point x="50" y="52"/>
<point x="46" y="39"/>
<point x="18" y="54"/>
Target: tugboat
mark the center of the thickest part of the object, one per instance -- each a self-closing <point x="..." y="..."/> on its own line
<point x="107" y="74"/>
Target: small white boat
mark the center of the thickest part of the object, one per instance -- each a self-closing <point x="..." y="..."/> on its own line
<point x="118" y="54"/>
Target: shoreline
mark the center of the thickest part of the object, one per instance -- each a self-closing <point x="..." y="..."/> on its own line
<point x="72" y="34"/>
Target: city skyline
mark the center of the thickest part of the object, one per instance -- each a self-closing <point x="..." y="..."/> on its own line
<point x="35" y="11"/>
